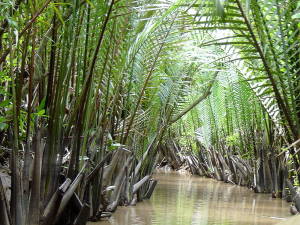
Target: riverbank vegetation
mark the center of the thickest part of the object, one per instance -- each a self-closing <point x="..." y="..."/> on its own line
<point x="95" y="94"/>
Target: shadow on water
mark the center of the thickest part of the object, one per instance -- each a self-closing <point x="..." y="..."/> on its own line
<point x="188" y="200"/>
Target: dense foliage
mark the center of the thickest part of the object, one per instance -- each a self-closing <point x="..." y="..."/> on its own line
<point x="93" y="91"/>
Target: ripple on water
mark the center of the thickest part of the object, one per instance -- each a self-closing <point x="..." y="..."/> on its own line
<point x="188" y="200"/>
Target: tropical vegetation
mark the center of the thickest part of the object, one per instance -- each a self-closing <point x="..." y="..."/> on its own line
<point x="95" y="94"/>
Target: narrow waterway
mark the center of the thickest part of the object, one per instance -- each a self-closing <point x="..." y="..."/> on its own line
<point x="190" y="200"/>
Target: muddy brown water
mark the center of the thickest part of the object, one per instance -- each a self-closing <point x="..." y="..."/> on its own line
<point x="191" y="200"/>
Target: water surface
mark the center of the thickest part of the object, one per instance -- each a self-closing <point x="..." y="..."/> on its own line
<point x="192" y="200"/>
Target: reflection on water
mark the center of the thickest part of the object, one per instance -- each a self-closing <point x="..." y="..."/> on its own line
<point x="187" y="200"/>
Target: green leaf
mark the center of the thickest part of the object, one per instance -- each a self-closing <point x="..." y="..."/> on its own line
<point x="3" y="126"/>
<point x="296" y="16"/>
<point x="41" y="112"/>
<point x="41" y="105"/>
<point x="59" y="15"/>
<point x="114" y="146"/>
<point x="5" y="103"/>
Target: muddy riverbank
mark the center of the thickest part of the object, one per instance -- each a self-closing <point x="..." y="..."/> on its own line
<point x="184" y="199"/>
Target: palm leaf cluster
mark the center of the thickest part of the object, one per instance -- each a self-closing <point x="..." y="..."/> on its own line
<point x="91" y="91"/>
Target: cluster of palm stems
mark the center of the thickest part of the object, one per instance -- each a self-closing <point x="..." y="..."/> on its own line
<point x="92" y="90"/>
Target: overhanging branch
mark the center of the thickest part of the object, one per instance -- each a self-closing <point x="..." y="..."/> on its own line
<point x="197" y="101"/>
